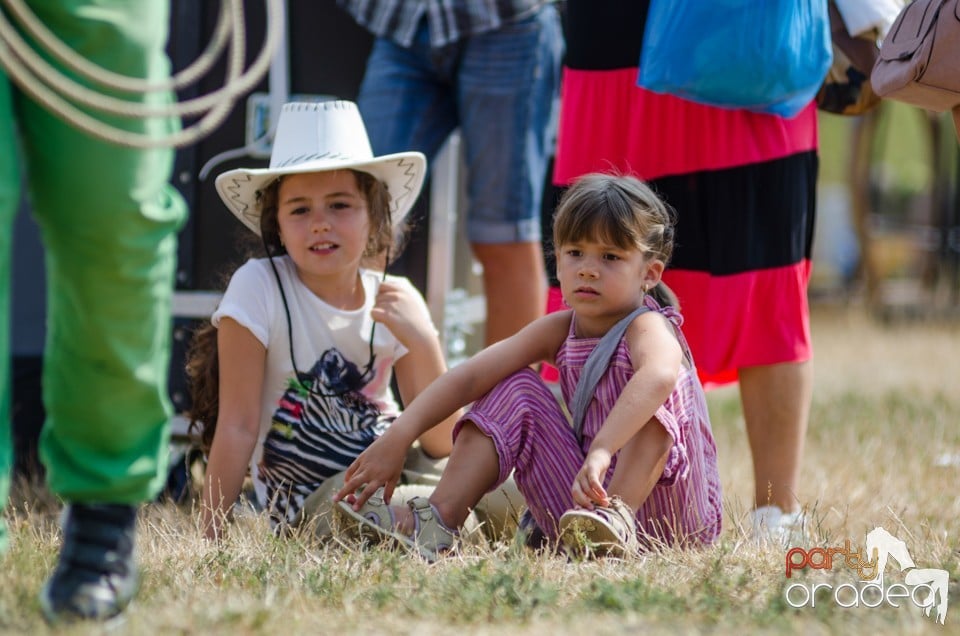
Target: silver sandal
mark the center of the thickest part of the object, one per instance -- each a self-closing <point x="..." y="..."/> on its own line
<point x="376" y="521"/>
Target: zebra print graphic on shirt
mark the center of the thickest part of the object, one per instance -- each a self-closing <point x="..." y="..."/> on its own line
<point x="321" y="424"/>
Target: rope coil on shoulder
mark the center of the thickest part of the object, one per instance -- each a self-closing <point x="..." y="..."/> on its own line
<point x="55" y="92"/>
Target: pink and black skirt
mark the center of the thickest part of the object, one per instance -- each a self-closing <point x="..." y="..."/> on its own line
<point x="743" y="186"/>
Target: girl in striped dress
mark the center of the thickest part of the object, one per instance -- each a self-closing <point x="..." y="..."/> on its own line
<point x="641" y="470"/>
<point x="743" y="185"/>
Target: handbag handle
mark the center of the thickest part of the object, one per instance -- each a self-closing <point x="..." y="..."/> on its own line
<point x="908" y="31"/>
<point x="595" y="366"/>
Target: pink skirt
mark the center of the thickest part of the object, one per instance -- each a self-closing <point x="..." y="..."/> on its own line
<point x="744" y="189"/>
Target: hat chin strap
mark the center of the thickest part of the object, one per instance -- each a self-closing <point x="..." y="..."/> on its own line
<point x="302" y="378"/>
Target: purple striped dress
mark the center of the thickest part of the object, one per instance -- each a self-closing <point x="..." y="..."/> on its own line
<point x="534" y="439"/>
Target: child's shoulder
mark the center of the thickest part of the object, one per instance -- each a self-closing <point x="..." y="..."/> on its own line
<point x="664" y="323"/>
<point x="262" y="265"/>
<point x="375" y="277"/>
<point x="393" y="278"/>
<point x="258" y="272"/>
<point x="252" y="265"/>
<point x="669" y="313"/>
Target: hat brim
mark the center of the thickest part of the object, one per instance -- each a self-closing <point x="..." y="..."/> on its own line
<point x="402" y="172"/>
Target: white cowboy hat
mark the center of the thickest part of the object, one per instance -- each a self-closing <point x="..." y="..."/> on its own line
<point x="312" y="137"/>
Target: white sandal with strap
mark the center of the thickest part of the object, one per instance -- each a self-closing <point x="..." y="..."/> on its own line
<point x="431" y="537"/>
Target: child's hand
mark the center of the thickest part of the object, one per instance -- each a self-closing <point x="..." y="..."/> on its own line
<point x="588" y="487"/>
<point x="400" y="307"/>
<point x="381" y="464"/>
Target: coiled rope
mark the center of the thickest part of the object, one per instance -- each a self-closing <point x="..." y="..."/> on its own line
<point x="55" y="91"/>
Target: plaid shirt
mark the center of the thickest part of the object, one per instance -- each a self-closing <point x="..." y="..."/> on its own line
<point x="450" y="20"/>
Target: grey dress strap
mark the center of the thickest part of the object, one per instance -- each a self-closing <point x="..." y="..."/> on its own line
<point x="594" y="368"/>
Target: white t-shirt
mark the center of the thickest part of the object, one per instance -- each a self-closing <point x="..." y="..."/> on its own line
<point x="306" y="436"/>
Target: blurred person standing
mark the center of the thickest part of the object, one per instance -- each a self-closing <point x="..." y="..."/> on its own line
<point x="743" y="186"/>
<point x="491" y="69"/>
<point x="108" y="220"/>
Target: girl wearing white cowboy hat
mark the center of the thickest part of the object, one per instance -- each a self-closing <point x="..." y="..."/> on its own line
<point x="292" y="378"/>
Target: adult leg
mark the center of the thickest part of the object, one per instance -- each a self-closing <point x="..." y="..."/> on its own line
<point x="776" y="407"/>
<point x="108" y="221"/>
<point x="405" y="101"/>
<point x="514" y="286"/>
<point x="506" y="84"/>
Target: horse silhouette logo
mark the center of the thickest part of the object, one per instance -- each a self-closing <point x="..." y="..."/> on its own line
<point x="882" y="546"/>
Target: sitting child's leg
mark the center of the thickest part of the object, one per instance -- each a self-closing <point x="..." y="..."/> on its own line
<point x="318" y="508"/>
<point x="529" y="434"/>
<point x="471" y="471"/>
<point x="640" y="464"/>
<point x="517" y="427"/>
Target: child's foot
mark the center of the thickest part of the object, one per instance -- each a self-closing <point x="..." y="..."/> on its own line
<point x="96" y="575"/>
<point x="604" y="531"/>
<point x="419" y="527"/>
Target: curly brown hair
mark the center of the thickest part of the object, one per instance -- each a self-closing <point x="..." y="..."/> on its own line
<point x="202" y="365"/>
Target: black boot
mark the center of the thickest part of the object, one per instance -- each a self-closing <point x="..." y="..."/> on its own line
<point x="96" y="575"/>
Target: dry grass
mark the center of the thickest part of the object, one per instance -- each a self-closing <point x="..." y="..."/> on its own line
<point x="885" y="415"/>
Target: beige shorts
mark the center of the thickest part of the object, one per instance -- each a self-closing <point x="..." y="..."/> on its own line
<point x="497" y="514"/>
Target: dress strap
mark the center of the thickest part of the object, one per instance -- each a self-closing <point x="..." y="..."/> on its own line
<point x="594" y="368"/>
<point x="676" y="320"/>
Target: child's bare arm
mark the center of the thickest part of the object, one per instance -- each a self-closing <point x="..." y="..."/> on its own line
<point x="400" y="307"/>
<point x="242" y="363"/>
<point x="378" y="465"/>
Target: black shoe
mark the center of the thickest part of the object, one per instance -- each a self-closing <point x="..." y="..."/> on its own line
<point x="533" y="537"/>
<point x="96" y="575"/>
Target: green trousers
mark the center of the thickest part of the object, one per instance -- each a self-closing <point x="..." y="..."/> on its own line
<point x="108" y="220"/>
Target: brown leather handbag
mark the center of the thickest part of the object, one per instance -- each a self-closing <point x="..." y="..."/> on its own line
<point x="919" y="59"/>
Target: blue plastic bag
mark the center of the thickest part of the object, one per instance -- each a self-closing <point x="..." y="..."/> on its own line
<point x="769" y="56"/>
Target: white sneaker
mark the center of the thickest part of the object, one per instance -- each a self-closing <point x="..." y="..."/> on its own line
<point x="770" y="524"/>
